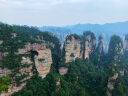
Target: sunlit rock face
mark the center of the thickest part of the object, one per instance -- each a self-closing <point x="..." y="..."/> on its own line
<point x="72" y="49"/>
<point x="89" y="43"/>
<point x="43" y="60"/>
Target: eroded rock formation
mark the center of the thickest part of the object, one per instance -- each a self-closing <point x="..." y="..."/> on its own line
<point x="72" y="49"/>
<point x="111" y="81"/>
<point x="42" y="63"/>
<point x="100" y="45"/>
<point x="43" y="60"/>
<point x="89" y="44"/>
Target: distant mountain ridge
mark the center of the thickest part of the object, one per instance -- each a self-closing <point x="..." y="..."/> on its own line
<point x="115" y="28"/>
<point x="107" y="30"/>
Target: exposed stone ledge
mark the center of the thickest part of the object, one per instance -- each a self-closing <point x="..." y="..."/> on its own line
<point x="63" y="70"/>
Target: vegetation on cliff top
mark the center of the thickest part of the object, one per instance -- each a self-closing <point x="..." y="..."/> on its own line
<point x="14" y="40"/>
<point x="69" y="37"/>
<point x="88" y="33"/>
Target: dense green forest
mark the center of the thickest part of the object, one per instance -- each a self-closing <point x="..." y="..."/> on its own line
<point x="85" y="77"/>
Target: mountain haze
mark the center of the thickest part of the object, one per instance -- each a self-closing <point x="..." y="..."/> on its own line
<point x="107" y="30"/>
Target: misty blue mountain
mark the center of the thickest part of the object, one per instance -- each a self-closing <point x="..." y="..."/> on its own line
<point x="107" y="30"/>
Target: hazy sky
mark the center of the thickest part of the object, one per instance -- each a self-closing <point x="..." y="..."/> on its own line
<point x="62" y="12"/>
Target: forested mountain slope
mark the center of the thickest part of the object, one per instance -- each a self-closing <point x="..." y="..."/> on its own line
<point x="36" y="66"/>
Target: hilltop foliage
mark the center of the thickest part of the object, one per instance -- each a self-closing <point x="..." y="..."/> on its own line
<point x="85" y="77"/>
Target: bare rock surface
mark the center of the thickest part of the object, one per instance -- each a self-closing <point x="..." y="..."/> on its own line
<point x="72" y="49"/>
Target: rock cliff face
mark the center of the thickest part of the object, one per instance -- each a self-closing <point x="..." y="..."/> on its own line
<point x="89" y="43"/>
<point x="111" y="82"/>
<point x="72" y="49"/>
<point x="43" y="60"/>
<point x="75" y="49"/>
<point x="100" y="44"/>
<point x="118" y="52"/>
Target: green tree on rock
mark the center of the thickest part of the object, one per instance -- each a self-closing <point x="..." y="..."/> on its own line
<point x="4" y="84"/>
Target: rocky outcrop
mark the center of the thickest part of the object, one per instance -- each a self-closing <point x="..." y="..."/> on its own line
<point x="118" y="52"/>
<point x="25" y="70"/>
<point x="100" y="45"/>
<point x="111" y="81"/>
<point x="28" y="67"/>
<point x="122" y="72"/>
<point x="43" y="60"/>
<point x="72" y="49"/>
<point x="31" y="47"/>
<point x="58" y="84"/>
<point x="63" y="70"/>
<point x="89" y="44"/>
<point x="4" y="72"/>
<point x="13" y="35"/>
